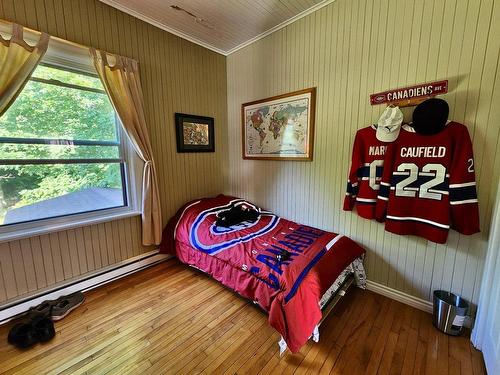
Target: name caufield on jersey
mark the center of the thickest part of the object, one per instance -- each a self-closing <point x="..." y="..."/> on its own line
<point x="423" y="152"/>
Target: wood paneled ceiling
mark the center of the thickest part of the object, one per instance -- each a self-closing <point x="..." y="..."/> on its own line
<point x="220" y="25"/>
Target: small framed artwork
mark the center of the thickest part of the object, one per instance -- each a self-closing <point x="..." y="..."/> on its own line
<point x="279" y="128"/>
<point x="194" y="133"/>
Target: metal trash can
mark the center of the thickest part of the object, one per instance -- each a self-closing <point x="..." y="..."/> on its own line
<point x="450" y="311"/>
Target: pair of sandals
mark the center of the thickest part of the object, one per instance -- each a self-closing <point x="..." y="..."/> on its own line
<point x="38" y="326"/>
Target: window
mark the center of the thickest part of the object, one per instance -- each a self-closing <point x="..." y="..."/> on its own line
<point x="62" y="151"/>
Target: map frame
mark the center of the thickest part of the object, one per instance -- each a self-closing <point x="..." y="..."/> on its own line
<point x="290" y="98"/>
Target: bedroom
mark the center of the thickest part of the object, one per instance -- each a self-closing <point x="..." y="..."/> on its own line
<point x="209" y="65"/>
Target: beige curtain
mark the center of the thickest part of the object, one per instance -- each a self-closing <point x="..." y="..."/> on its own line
<point x="120" y="77"/>
<point x="18" y="60"/>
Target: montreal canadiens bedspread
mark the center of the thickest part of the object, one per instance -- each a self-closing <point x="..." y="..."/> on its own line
<point x="244" y="257"/>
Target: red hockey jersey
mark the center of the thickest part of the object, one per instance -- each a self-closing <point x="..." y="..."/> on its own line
<point x="428" y="184"/>
<point x="366" y="172"/>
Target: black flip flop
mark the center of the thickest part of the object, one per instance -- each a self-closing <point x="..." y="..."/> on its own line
<point x="37" y="328"/>
<point x="23" y="335"/>
<point x="44" y="328"/>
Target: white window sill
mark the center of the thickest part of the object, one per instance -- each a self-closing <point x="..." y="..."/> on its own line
<point x="39" y="227"/>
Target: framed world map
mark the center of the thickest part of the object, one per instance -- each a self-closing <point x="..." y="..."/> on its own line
<point x="279" y="128"/>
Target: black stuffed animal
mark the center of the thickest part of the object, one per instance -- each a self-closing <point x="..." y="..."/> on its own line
<point x="236" y="215"/>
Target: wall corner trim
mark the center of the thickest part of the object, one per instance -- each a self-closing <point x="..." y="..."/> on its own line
<point x="402" y="297"/>
<point x="280" y="26"/>
<point x="123" y="8"/>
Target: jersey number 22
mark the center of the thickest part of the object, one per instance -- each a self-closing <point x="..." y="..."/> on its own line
<point x="426" y="190"/>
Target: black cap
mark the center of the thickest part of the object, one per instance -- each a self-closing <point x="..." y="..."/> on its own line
<point x="430" y="116"/>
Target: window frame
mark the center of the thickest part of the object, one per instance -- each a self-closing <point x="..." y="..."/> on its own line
<point x="71" y="58"/>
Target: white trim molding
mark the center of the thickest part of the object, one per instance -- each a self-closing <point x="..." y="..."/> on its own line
<point x="83" y="283"/>
<point x="402" y="297"/>
<point x="171" y="30"/>
<point x="50" y="225"/>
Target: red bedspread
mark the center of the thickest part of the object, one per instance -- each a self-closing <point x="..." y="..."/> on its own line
<point x="243" y="258"/>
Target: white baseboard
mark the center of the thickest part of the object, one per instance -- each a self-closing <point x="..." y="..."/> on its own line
<point x="402" y="297"/>
<point x="114" y="272"/>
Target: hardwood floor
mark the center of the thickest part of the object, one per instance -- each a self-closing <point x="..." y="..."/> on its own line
<point x="173" y="319"/>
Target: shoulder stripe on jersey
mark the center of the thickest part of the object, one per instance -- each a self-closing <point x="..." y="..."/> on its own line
<point x="444" y="192"/>
<point x="385" y="184"/>
<point x="384" y="190"/>
<point x="406" y="188"/>
<point x="421" y="179"/>
<point x="463" y="193"/>
<point x="411" y="218"/>
<point x="454" y="203"/>
<point x="454" y="186"/>
<point x="366" y="200"/>
<point x="352" y="189"/>
<point x="383" y="198"/>
<point x="365" y="171"/>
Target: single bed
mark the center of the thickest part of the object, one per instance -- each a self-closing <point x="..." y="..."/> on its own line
<point x="245" y="257"/>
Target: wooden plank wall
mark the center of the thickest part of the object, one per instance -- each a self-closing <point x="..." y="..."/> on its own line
<point x="177" y="76"/>
<point x="35" y="263"/>
<point x="352" y="48"/>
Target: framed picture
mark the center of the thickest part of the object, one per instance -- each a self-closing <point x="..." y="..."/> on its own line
<point x="194" y="133"/>
<point x="279" y="128"/>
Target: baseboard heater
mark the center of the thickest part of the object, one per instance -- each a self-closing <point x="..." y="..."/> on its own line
<point x="85" y="283"/>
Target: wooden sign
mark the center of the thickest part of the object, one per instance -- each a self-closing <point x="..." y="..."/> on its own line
<point x="412" y="95"/>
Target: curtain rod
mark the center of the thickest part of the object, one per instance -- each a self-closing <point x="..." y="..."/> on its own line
<point x="55" y="38"/>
